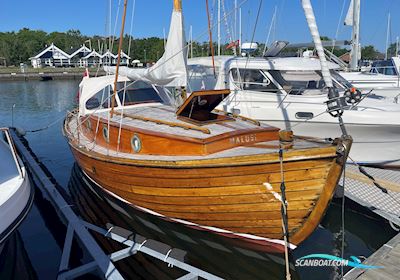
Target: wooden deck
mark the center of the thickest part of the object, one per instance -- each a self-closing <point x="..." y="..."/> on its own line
<point x="361" y="190"/>
<point x="387" y="256"/>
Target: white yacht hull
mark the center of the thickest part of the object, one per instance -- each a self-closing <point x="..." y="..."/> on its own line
<point x="373" y="144"/>
<point x="376" y="132"/>
<point x="370" y="80"/>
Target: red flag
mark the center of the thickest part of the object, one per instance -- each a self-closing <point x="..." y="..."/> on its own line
<point x="86" y="73"/>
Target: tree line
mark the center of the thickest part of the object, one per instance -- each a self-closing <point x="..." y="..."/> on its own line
<point x="17" y="47"/>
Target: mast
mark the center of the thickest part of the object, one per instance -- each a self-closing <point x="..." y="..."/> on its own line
<point x="219" y="27"/>
<point x="191" y="41"/>
<point x="387" y="36"/>
<point x="235" y="20"/>
<point x="211" y="43"/>
<point x="355" y="41"/>
<point x="178" y="5"/>
<point x="240" y="30"/>
<point x="121" y="39"/>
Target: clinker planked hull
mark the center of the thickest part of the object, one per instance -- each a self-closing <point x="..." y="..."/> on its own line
<point x="227" y="196"/>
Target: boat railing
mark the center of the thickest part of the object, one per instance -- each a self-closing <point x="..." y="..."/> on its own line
<point x="389" y="70"/>
<point x="10" y="142"/>
<point x="335" y="59"/>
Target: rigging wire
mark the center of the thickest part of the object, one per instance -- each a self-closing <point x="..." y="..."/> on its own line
<point x="269" y="31"/>
<point x="338" y="25"/>
<point x="131" y="27"/>
<point x="115" y="27"/>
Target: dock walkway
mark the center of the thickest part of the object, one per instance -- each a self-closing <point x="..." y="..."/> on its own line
<point x="384" y="200"/>
<point x="101" y="263"/>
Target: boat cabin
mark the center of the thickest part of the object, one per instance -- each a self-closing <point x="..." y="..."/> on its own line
<point x="286" y="75"/>
<point x="390" y="67"/>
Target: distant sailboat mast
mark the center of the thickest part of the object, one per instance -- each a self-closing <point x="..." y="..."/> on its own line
<point x="387" y="37"/>
<point x="353" y="19"/>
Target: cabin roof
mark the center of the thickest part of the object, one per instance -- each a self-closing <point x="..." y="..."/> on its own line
<point x="167" y="113"/>
<point x="274" y="63"/>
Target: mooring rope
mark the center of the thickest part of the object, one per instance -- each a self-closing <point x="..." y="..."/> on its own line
<point x="284" y="215"/>
<point x="375" y="183"/>
<point x="343" y="214"/>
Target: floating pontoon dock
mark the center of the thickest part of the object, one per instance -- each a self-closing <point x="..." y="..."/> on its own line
<point x="102" y="263"/>
<point x="384" y="200"/>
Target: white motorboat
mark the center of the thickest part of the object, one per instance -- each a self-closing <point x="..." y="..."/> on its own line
<point x="288" y="93"/>
<point x="16" y="194"/>
<point x="383" y="78"/>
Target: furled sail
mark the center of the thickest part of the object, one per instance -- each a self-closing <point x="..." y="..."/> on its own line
<point x="349" y="17"/>
<point x="170" y="69"/>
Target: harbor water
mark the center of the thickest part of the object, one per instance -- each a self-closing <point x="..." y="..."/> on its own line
<point x="34" y="250"/>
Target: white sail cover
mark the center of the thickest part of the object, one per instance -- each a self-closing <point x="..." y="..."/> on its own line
<point x="170" y="69"/>
<point x="349" y="17"/>
<point x="312" y="25"/>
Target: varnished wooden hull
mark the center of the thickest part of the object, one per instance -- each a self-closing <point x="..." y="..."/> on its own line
<point x="229" y="194"/>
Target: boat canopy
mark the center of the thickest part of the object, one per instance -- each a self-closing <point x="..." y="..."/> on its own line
<point x="95" y="93"/>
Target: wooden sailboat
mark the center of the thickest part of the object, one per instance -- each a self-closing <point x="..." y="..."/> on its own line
<point x="200" y="166"/>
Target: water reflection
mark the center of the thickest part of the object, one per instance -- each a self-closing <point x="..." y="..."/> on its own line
<point x="226" y="257"/>
<point x="14" y="260"/>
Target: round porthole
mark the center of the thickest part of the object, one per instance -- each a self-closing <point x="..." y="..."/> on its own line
<point x="136" y="143"/>
<point x="105" y="134"/>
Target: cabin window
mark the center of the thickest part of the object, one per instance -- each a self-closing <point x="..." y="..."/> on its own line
<point x="136" y="143"/>
<point x="131" y="93"/>
<point x="339" y="81"/>
<point x="385" y="67"/>
<point x="100" y="100"/>
<point x="106" y="134"/>
<point x="252" y="79"/>
<point x="299" y="82"/>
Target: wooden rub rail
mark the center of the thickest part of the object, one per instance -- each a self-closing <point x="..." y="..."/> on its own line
<point x="172" y="124"/>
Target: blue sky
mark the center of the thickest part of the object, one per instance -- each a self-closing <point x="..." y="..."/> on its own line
<point x="152" y="16"/>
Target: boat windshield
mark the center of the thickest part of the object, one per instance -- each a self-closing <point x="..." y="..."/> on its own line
<point x="132" y="93"/>
<point x="252" y="79"/>
<point x="299" y="82"/>
<point x="339" y="81"/>
<point x="384" y="67"/>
